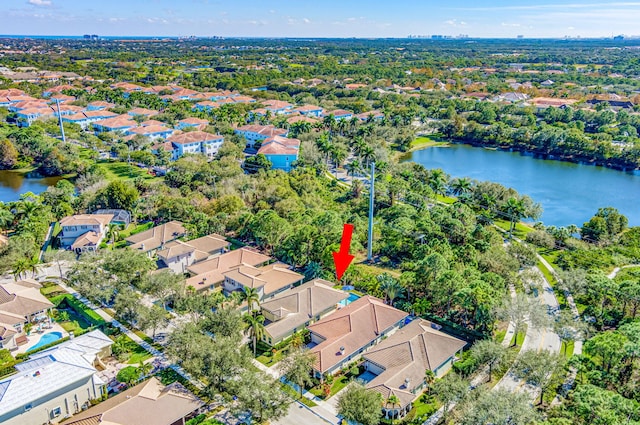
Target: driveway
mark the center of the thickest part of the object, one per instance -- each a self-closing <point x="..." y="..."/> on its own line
<point x="299" y="415"/>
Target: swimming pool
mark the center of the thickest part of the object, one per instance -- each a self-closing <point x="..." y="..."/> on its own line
<point x="352" y="298"/>
<point x="45" y="339"/>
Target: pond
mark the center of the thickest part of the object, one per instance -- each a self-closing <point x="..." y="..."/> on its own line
<point x="15" y="183"/>
<point x="569" y="193"/>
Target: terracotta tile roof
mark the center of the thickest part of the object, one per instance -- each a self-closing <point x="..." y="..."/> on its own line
<point x="264" y="130"/>
<point x="193" y="136"/>
<point x="338" y="112"/>
<point x="101" y="104"/>
<point x="405" y="356"/>
<point x="157" y="236"/>
<point x="86" y="219"/>
<point x="116" y="122"/>
<point x="202" y="247"/>
<point x="27" y="104"/>
<point x="86" y="239"/>
<point x="276" y="104"/>
<point x="143" y="111"/>
<point x="150" y="129"/>
<point x="152" y="122"/>
<point x="17" y="300"/>
<point x="194" y="121"/>
<point x="208" y="103"/>
<point x="299" y="305"/>
<point x="302" y="118"/>
<point x="210" y="272"/>
<point x="549" y="101"/>
<point x="279" y="146"/>
<point x="94" y="114"/>
<point x="149" y="403"/>
<point x="166" y="146"/>
<point x="271" y="278"/>
<point x="352" y="328"/>
<point x="307" y="108"/>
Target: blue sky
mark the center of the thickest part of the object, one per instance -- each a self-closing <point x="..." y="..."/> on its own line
<point x="325" y="18"/>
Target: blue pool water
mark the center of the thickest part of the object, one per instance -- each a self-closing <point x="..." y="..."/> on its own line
<point x="352" y="298"/>
<point x="45" y="339"/>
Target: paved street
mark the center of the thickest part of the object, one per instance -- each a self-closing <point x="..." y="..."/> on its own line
<point x="299" y="415"/>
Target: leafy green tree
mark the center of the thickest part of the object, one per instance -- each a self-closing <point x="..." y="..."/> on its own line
<point x="164" y="285"/>
<point x="260" y="395"/>
<point x="151" y="318"/>
<point x="521" y="309"/>
<point x="488" y="352"/>
<point x="253" y="164"/>
<point x="360" y="405"/>
<point x="117" y="195"/>
<point x="536" y="368"/>
<point x="605" y="225"/>
<point x="499" y="407"/>
<point x="449" y="390"/>
<point x="297" y="367"/>
<point x="8" y="155"/>
<point x="608" y="347"/>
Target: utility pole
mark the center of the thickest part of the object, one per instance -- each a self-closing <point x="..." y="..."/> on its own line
<point x="371" y="198"/>
<point x="64" y="139"/>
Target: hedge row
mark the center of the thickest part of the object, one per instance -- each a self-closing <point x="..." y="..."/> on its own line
<point x="82" y="310"/>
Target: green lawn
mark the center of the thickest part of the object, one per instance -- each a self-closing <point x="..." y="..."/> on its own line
<point x="296" y="395"/>
<point x="138" y="354"/>
<point x="520" y="231"/>
<point x="520" y="337"/>
<point x="122" y="170"/>
<point x="132" y="229"/>
<point x="339" y="383"/>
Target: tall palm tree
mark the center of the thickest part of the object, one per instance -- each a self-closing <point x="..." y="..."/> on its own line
<point x="251" y="297"/>
<point x="353" y="167"/>
<point x="20" y="266"/>
<point x="429" y="379"/>
<point x="254" y="329"/>
<point x="514" y="209"/>
<point x="6" y="218"/>
<point x="34" y="266"/>
<point x="461" y="186"/>
<point x="394" y="401"/>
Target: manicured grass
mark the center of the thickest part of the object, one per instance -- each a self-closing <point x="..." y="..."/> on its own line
<point x="520" y="230"/>
<point x="132" y="229"/>
<point x="499" y="335"/>
<point x="270" y="360"/>
<point x="75" y="324"/>
<point x="450" y="200"/>
<point x="562" y="300"/>
<point x="138" y="354"/>
<point x="82" y="310"/>
<point x="339" y="383"/>
<point x="122" y="171"/>
<point x="423" y="142"/>
<point x="296" y="396"/>
<point x="519" y="338"/>
<point x="52" y="290"/>
<point x="423" y="407"/>
<point x="568" y="351"/>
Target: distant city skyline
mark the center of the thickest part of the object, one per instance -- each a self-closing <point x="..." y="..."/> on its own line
<point x="329" y="18"/>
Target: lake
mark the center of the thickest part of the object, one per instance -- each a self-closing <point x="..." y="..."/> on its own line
<point x="569" y="193"/>
<point x="15" y="183"/>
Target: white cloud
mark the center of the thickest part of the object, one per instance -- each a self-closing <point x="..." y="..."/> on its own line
<point x="455" y="23"/>
<point x="306" y="20"/>
<point x="40" y="2"/>
<point x="506" y="24"/>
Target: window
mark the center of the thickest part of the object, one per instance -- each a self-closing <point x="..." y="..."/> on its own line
<point x="28" y="407"/>
<point x="55" y="413"/>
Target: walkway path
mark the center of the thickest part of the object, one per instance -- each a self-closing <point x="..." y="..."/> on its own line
<point x="163" y="359"/>
<point x="324" y="409"/>
<point x="615" y="271"/>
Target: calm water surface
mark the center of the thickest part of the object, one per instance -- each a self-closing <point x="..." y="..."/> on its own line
<point x="14" y="183"/>
<point x="569" y="193"/>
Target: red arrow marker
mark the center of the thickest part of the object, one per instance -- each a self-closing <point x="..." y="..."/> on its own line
<point x="342" y="258"/>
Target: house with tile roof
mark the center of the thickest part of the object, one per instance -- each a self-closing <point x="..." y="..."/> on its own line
<point x="157" y="237"/>
<point x="118" y="123"/>
<point x="281" y="151"/>
<point x="399" y="363"/>
<point x="309" y="110"/>
<point x="84" y="232"/>
<point x="20" y="303"/>
<point x="339" y="114"/>
<point x="56" y="383"/>
<point x="291" y="311"/>
<point x="209" y="274"/>
<point x="151" y="131"/>
<point x="99" y="105"/>
<point x="253" y="133"/>
<point x="268" y="280"/>
<point x="148" y="403"/>
<point x="206" y="105"/>
<point x="143" y="112"/>
<point x="178" y="255"/>
<point x="191" y="122"/>
<point x="277" y="107"/>
<point x="86" y="118"/>
<point x="196" y="142"/>
<point x="344" y="335"/>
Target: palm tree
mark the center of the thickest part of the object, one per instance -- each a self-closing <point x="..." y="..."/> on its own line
<point x="394" y="401"/>
<point x="461" y="186"/>
<point x="6" y="218"/>
<point x="113" y="233"/>
<point x="514" y="209"/>
<point x="429" y="379"/>
<point x="251" y="297"/>
<point x="356" y="188"/>
<point x="437" y="181"/>
<point x="255" y="329"/>
<point x="367" y="154"/>
<point x="34" y="266"/>
<point x="390" y="286"/>
<point x="329" y="122"/>
<point x="20" y="266"/>
<point x="353" y="167"/>
<point x="338" y="155"/>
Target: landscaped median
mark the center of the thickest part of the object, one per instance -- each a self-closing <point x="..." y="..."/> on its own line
<point x="67" y="300"/>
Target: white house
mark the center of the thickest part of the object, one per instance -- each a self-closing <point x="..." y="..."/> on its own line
<point x="196" y="142"/>
<point x="84" y="232"/>
<point x="56" y="383"/>
<point x="178" y="255"/>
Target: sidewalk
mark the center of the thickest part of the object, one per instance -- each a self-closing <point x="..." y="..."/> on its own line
<point x="164" y="360"/>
